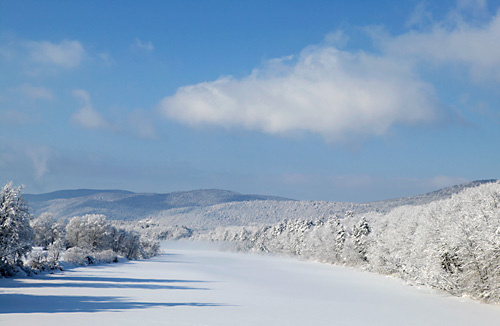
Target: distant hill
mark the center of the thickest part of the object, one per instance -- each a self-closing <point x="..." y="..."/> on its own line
<point x="386" y="205"/>
<point x="211" y="208"/>
<point x="126" y="205"/>
<point x="68" y="194"/>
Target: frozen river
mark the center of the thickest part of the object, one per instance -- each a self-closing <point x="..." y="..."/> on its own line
<point x="197" y="285"/>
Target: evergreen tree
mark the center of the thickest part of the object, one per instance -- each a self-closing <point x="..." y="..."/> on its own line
<point x="340" y="238"/>
<point x="16" y="234"/>
<point x="359" y="233"/>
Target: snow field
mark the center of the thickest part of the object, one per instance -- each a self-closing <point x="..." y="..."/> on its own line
<point x="195" y="284"/>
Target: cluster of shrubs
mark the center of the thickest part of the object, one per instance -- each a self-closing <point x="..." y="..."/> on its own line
<point x="32" y="245"/>
<point x="85" y="240"/>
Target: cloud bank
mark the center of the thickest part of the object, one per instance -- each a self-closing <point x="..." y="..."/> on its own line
<point x="475" y="47"/>
<point x="66" y="54"/>
<point x="325" y="90"/>
<point x="88" y="117"/>
<point x="340" y="94"/>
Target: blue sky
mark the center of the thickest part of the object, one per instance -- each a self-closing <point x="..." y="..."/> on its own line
<point x="325" y="100"/>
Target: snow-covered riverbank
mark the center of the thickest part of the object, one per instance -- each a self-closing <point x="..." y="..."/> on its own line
<point x="190" y="285"/>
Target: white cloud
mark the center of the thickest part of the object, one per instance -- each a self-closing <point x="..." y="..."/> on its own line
<point x="88" y="117"/>
<point x="326" y="91"/>
<point x="146" y="46"/>
<point x="340" y="94"/>
<point x="337" y="38"/>
<point x="39" y="157"/>
<point x="475" y="47"/>
<point x="420" y="15"/>
<point x="66" y="54"/>
<point x="35" y="92"/>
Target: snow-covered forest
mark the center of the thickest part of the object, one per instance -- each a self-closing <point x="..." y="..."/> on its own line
<point x="451" y="244"/>
<point x="30" y="245"/>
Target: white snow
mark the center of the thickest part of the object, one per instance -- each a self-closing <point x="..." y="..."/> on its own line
<point x="199" y="285"/>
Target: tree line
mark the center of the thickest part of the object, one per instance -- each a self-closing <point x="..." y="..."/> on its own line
<point x="451" y="244"/>
<point x="29" y="244"/>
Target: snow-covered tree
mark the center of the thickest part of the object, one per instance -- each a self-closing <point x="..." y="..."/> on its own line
<point x="340" y="238"/>
<point x="90" y="231"/>
<point x="93" y="234"/>
<point x="451" y="244"/>
<point x="47" y="230"/>
<point x="360" y="231"/>
<point x="16" y="234"/>
<point x="127" y="243"/>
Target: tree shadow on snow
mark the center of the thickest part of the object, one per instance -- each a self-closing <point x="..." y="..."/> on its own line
<point x="26" y="304"/>
<point x="167" y="259"/>
<point x="123" y="279"/>
<point x="101" y="283"/>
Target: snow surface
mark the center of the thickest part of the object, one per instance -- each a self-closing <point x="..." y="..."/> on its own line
<point x="195" y="284"/>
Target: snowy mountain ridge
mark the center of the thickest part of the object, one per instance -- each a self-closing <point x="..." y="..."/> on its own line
<point x="126" y="205"/>
<point x="211" y="208"/>
<point x="385" y="206"/>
